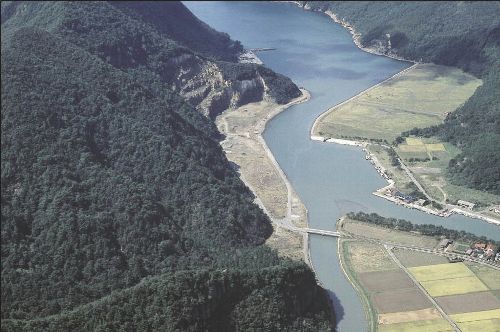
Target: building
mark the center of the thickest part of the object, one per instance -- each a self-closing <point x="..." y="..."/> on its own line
<point x="404" y="197"/>
<point x="444" y="243"/>
<point x="480" y="246"/>
<point x="466" y="204"/>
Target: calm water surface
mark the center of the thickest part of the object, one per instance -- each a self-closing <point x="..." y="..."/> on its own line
<point x="330" y="179"/>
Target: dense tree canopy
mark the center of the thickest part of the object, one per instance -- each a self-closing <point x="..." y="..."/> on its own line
<point x="119" y="208"/>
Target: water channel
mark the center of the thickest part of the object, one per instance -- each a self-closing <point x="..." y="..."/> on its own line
<point x="330" y="179"/>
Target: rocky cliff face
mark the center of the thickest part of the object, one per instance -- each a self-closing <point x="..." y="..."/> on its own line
<point x="131" y="38"/>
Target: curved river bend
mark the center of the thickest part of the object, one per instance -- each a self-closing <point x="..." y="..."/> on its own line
<point x="331" y="179"/>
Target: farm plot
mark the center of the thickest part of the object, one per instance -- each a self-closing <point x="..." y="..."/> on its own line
<point x="490" y="277"/>
<point x="421" y="97"/>
<point x="415" y="258"/>
<point x="385" y="280"/>
<point x="358" y="252"/>
<point x="484" y="321"/>
<point x="472" y="302"/>
<point x="408" y="316"/>
<point x="454" y="286"/>
<point x="408" y="299"/>
<point x="441" y="271"/>
<point x="440" y="325"/>
<point x="386" y="234"/>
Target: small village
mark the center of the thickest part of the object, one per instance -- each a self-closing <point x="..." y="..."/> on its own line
<point x="482" y="250"/>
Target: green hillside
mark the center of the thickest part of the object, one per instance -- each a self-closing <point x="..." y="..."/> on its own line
<point x="119" y="208"/>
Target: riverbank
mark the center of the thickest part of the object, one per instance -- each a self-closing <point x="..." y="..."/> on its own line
<point x="259" y="170"/>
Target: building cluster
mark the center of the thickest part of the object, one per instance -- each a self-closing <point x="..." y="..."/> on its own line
<point x="484" y="250"/>
<point x="465" y="204"/>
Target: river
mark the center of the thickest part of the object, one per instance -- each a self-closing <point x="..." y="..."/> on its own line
<point x="330" y="179"/>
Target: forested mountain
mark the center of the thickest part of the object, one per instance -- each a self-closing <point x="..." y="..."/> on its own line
<point x="119" y="209"/>
<point x="464" y="34"/>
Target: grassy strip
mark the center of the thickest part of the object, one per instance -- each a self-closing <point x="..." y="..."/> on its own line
<point x="345" y="263"/>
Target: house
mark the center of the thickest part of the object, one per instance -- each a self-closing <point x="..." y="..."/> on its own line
<point x="404" y="197"/>
<point x="466" y="204"/>
<point x="480" y="246"/>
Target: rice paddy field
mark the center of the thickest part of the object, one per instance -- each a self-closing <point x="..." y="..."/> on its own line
<point x="421" y="97"/>
<point x="469" y="293"/>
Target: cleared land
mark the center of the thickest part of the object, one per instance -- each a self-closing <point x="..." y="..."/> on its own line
<point x="408" y="316"/>
<point x="421" y="97"/>
<point x="415" y="258"/>
<point x="455" y="304"/>
<point x="440" y="325"/>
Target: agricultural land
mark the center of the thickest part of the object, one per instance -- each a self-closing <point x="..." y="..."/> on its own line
<point x="409" y="290"/>
<point x="418" y="98"/>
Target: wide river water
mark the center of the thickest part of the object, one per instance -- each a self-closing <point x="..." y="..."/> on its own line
<point x="330" y="179"/>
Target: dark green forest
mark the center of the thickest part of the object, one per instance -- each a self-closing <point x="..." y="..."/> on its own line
<point x="119" y="208"/>
<point x="453" y="33"/>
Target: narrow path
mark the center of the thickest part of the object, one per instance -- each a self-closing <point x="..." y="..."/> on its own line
<point x="422" y="289"/>
<point x="412" y="178"/>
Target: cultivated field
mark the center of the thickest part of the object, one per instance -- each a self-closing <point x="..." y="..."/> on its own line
<point x="447" y="279"/>
<point x="415" y="258"/>
<point x="420" y="98"/>
<point x="358" y="251"/>
<point x="385" y="280"/>
<point x="399" y="300"/>
<point x="441" y="271"/>
<point x="488" y="276"/>
<point x="440" y="325"/>
<point x="468" y="293"/>
<point x="454" y="286"/>
<point x="408" y="316"/>
<point x="387" y="234"/>
<point x="456" y="304"/>
<point x="478" y="321"/>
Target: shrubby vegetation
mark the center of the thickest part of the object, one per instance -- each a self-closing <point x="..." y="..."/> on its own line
<point x="424" y="229"/>
<point x="119" y="209"/>
<point x="461" y="34"/>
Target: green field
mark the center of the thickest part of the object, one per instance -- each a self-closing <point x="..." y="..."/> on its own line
<point x="454" y="286"/>
<point x="489" y="276"/>
<point x="419" y="98"/>
<point x="440" y="271"/>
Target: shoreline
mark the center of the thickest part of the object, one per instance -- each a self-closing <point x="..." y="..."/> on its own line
<point x="356" y="39"/>
<point x="287" y="213"/>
